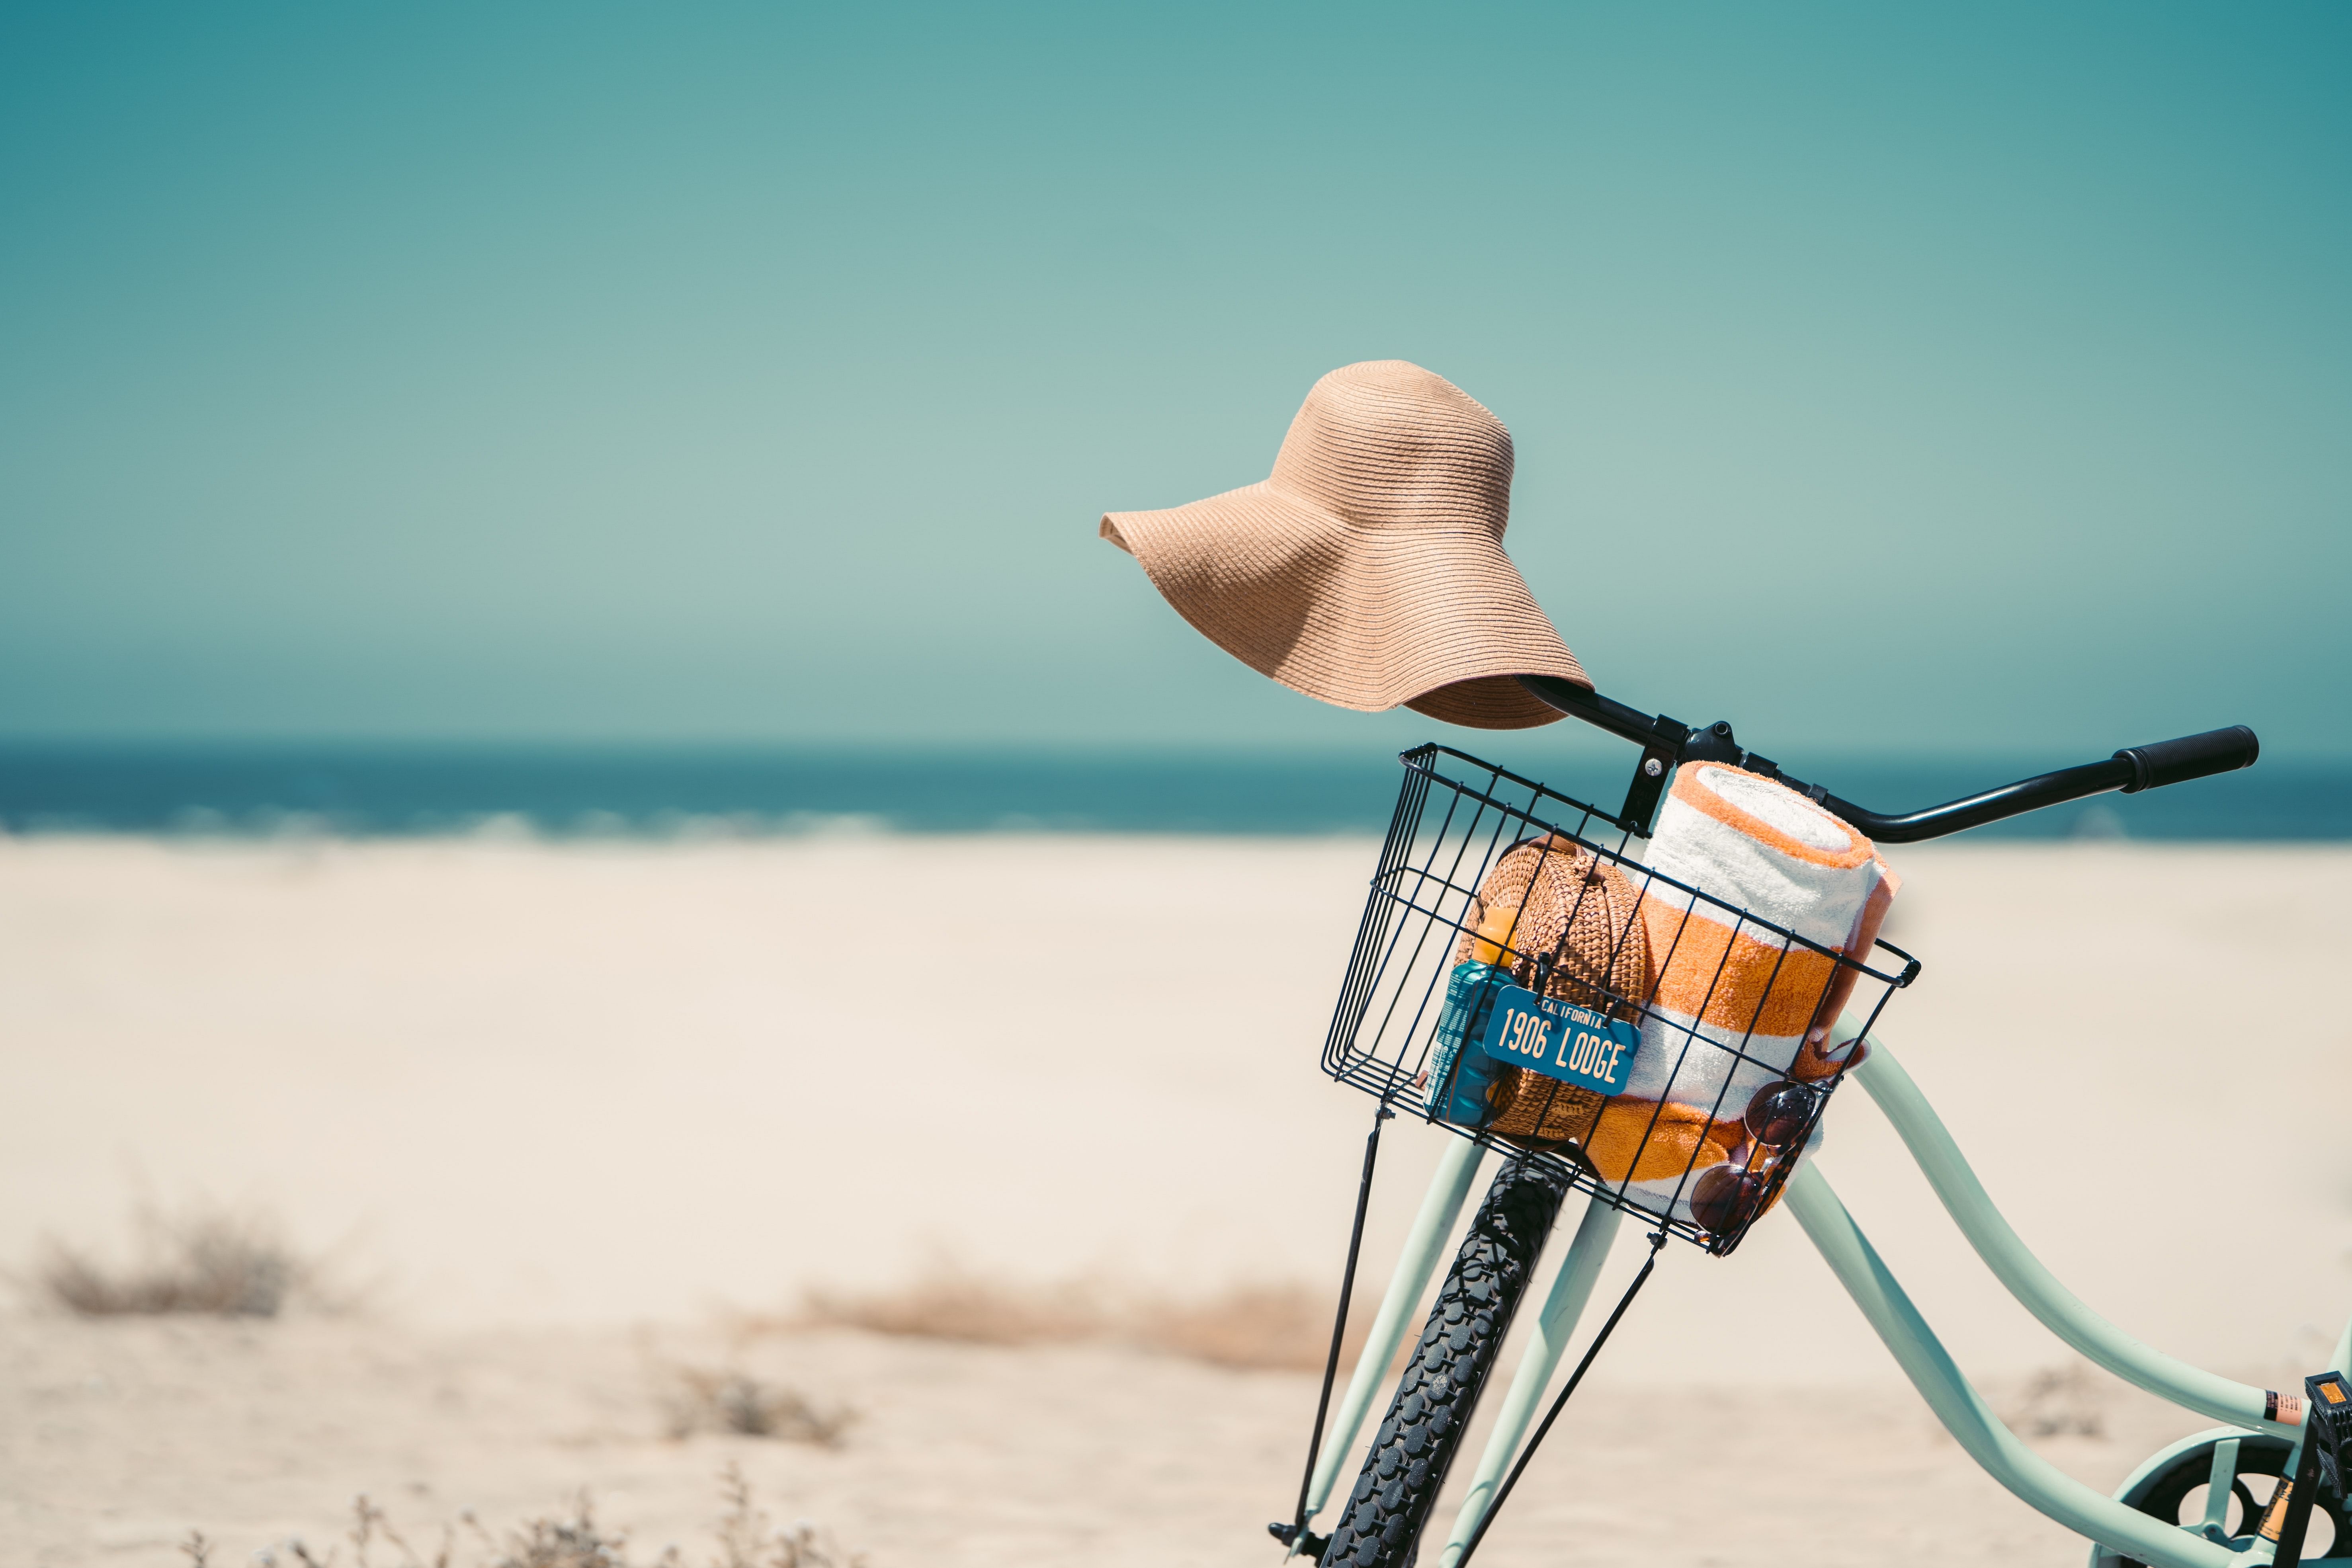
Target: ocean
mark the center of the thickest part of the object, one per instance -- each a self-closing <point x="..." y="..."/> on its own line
<point x="679" y="792"/>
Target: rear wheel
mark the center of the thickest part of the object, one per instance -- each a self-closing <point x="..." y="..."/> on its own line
<point x="1386" y="1513"/>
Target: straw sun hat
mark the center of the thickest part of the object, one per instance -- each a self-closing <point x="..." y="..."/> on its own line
<point x="1368" y="571"/>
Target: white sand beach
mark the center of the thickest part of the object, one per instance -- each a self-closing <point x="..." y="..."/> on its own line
<point x="557" y="1115"/>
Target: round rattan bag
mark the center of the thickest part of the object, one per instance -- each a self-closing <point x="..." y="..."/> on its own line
<point x="1561" y="920"/>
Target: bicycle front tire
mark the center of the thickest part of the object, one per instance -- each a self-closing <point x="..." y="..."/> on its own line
<point x="1415" y="1446"/>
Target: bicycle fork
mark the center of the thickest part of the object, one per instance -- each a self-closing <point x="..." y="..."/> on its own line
<point x="1416" y="1266"/>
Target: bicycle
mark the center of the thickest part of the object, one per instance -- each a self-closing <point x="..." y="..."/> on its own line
<point x="1453" y="813"/>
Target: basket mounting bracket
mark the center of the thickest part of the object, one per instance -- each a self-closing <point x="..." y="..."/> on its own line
<point x="1662" y="751"/>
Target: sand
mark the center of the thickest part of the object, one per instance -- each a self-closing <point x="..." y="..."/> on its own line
<point x="555" y="1111"/>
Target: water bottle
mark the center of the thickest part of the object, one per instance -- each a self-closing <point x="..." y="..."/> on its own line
<point x="1460" y="1071"/>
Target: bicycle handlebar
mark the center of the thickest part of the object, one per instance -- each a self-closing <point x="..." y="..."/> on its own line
<point x="1666" y="744"/>
<point x="2161" y="762"/>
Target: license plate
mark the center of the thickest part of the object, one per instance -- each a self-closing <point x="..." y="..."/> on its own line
<point x="1560" y="1039"/>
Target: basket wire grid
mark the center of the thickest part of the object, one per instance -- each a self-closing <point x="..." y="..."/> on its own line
<point x="1455" y="817"/>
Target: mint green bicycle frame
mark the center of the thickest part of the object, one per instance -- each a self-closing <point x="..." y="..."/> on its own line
<point x="2115" y="1528"/>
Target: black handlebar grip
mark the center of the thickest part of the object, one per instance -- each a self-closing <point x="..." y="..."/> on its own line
<point x="2162" y="762"/>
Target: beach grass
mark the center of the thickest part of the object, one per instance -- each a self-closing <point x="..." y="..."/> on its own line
<point x="744" y="1536"/>
<point x="202" y="1259"/>
<point x="1271" y="1325"/>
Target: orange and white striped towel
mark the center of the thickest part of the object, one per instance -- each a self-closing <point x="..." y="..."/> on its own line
<point x="1734" y="1006"/>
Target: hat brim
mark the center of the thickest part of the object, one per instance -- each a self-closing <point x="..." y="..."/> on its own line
<point x="1434" y="618"/>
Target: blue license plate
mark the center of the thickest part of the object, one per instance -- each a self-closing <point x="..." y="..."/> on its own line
<point x="1560" y="1039"/>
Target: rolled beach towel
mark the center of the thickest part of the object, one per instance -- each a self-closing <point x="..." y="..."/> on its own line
<point x="1735" y="1007"/>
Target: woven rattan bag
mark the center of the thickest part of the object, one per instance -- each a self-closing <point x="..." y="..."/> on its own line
<point x="1563" y="921"/>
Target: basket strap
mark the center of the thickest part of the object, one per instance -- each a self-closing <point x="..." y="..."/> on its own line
<point x="1340" y="1319"/>
<point x="1657" y="1240"/>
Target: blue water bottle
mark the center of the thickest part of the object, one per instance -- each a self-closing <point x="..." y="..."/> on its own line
<point x="1460" y="1071"/>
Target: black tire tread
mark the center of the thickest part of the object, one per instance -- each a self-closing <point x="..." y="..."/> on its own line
<point x="1404" y="1469"/>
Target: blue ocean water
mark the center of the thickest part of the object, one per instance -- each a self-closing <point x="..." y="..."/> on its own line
<point x="562" y="792"/>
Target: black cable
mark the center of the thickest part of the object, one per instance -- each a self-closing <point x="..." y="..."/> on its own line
<point x="1657" y="1240"/>
<point x="1340" y="1321"/>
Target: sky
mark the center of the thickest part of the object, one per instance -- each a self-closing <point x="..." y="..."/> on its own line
<point x="1882" y="379"/>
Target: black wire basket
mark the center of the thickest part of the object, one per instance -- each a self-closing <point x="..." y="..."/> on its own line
<point x="1440" y="1000"/>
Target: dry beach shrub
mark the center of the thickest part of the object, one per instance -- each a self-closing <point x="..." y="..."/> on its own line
<point x="1274" y="1326"/>
<point x="2058" y="1402"/>
<point x="749" y="1540"/>
<point x="948" y="1302"/>
<point x="744" y="1535"/>
<point x="736" y="1403"/>
<point x="1277" y="1326"/>
<point x="200" y="1260"/>
<point x="576" y="1542"/>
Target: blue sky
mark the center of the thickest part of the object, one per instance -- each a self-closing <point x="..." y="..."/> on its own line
<point x="1883" y="378"/>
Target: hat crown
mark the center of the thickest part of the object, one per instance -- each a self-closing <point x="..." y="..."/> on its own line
<point x="1386" y="443"/>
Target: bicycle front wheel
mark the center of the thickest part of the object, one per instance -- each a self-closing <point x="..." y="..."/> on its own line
<point x="2263" y="1459"/>
<point x="1416" y="1444"/>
